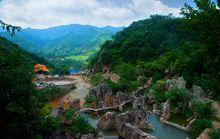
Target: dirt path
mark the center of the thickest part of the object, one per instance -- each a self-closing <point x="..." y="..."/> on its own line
<point x="81" y="91"/>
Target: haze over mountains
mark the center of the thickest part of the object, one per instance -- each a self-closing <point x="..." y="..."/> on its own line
<point x="65" y="42"/>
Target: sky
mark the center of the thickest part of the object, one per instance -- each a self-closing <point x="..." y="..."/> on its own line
<point x="48" y="13"/>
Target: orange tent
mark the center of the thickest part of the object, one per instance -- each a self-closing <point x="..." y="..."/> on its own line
<point x="40" y="67"/>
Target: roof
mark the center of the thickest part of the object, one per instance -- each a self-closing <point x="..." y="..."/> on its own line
<point x="40" y="67"/>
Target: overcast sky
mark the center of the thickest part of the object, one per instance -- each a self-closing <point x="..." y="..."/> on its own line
<point x="48" y="13"/>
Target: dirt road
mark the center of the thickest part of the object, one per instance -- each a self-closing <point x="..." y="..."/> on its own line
<point x="81" y="91"/>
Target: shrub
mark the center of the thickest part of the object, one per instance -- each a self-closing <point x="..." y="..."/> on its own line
<point x="176" y="95"/>
<point x="215" y="134"/>
<point x="204" y="109"/>
<point x="81" y="126"/>
<point x="199" y="125"/>
<point x="96" y="79"/>
<point x="161" y="84"/>
<point x="69" y="114"/>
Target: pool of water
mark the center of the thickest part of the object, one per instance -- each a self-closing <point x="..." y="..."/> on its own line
<point x="162" y="131"/>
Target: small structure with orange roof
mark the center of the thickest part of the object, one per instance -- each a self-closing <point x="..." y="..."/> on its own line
<point x="41" y="69"/>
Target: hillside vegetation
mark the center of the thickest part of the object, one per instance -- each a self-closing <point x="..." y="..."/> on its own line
<point x="60" y="44"/>
<point x="167" y="46"/>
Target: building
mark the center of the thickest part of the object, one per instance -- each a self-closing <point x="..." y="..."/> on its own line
<point x="41" y="69"/>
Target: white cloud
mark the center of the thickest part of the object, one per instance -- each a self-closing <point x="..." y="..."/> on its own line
<point x="47" y="13"/>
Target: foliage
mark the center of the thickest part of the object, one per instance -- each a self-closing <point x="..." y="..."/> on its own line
<point x="176" y="95"/>
<point x="199" y="125"/>
<point x="96" y="79"/>
<point x="81" y="126"/>
<point x="52" y="92"/>
<point x="22" y="107"/>
<point x="9" y="28"/>
<point x="69" y="114"/>
<point x="215" y="134"/>
<point x="204" y="109"/>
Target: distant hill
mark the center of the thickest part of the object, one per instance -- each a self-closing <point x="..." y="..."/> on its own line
<point x="62" y="42"/>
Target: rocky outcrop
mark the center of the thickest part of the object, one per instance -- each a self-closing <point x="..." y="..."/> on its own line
<point x="127" y="131"/>
<point x="165" y="111"/>
<point x="121" y="97"/>
<point x="178" y="82"/>
<point x="104" y="95"/>
<point x="198" y="92"/>
<point x="108" y="121"/>
<point x="150" y="97"/>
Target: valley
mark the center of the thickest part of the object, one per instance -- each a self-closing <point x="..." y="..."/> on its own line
<point x="156" y="78"/>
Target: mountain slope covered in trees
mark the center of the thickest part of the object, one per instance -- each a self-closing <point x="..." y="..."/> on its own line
<point x="63" y="45"/>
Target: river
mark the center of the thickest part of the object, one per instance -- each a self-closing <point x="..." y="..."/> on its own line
<point x="161" y="131"/>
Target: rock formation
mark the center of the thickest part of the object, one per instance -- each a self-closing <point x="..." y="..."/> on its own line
<point x="165" y="111"/>
<point x="179" y="83"/>
<point x="75" y="104"/>
<point x="127" y="131"/>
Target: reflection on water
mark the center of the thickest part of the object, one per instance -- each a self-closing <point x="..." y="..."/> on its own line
<point x="162" y="131"/>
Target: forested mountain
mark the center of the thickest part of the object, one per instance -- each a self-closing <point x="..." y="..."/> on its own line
<point x="164" y="46"/>
<point x="58" y="44"/>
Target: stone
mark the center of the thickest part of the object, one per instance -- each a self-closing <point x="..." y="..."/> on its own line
<point x="87" y="136"/>
<point x="197" y="92"/>
<point x="128" y="131"/>
<point x="103" y="93"/>
<point x="107" y="121"/>
<point x="75" y="104"/>
<point x="165" y="111"/>
<point x="151" y="99"/>
<point x="121" y="97"/>
<point x="179" y="83"/>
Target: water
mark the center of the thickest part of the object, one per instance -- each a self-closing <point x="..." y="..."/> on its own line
<point x="162" y="131"/>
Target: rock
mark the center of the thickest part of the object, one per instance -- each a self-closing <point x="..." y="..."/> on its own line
<point x="75" y="104"/>
<point x="151" y="99"/>
<point x="127" y="117"/>
<point x="104" y="95"/>
<point x="87" y="136"/>
<point x="121" y="97"/>
<point x="179" y="83"/>
<point x="107" y="121"/>
<point x="128" y="131"/>
<point x="197" y="92"/>
<point x="165" y="111"/>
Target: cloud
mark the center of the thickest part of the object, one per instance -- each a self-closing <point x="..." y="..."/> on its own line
<point x="44" y="14"/>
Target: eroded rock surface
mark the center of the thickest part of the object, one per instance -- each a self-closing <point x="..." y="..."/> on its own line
<point x="127" y="131"/>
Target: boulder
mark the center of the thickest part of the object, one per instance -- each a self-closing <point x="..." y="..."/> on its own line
<point x="128" y="131"/>
<point x="107" y="121"/>
<point x="197" y="92"/>
<point x="104" y="95"/>
<point x="151" y="99"/>
<point x="121" y="97"/>
<point x="165" y="111"/>
<point x="75" y="104"/>
<point x="178" y="82"/>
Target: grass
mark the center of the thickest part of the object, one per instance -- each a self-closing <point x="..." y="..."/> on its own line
<point x="83" y="57"/>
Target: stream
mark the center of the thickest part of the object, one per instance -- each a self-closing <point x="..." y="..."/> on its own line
<point x="162" y="131"/>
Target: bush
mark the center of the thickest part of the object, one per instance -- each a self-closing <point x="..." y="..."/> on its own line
<point x="204" y="109"/>
<point x="199" y="125"/>
<point x="176" y="95"/>
<point x="161" y="84"/>
<point x="81" y="126"/>
<point x="96" y="79"/>
<point x="215" y="134"/>
<point x="52" y="92"/>
<point x="69" y="114"/>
